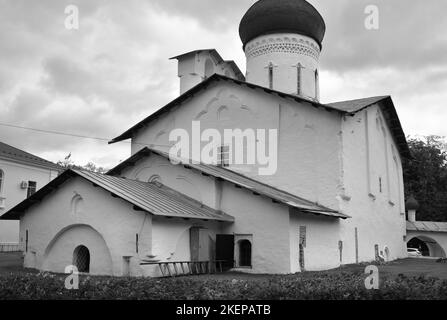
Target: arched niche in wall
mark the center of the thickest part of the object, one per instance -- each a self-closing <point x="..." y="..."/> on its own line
<point x="223" y="113"/>
<point x="77" y="205"/>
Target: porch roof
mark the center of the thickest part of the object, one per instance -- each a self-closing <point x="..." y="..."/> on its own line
<point x="155" y="199"/>
<point x="428" y="226"/>
<point x="241" y="181"/>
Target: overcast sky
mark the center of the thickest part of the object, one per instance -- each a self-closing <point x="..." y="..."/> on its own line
<point x="114" y="70"/>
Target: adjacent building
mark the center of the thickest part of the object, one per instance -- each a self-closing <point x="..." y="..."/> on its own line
<point x="21" y="175"/>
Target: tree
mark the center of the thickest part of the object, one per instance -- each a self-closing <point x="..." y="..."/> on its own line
<point x="67" y="163"/>
<point x="425" y="177"/>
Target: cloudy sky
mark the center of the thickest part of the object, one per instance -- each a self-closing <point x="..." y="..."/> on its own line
<point x="114" y="70"/>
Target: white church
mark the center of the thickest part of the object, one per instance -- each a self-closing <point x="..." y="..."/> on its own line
<point x="335" y="197"/>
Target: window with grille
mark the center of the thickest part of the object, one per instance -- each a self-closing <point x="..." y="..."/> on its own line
<point x="81" y="259"/>
<point x="32" y="186"/>
<point x="223" y="156"/>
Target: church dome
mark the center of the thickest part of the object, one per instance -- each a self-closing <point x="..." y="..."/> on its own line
<point x="412" y="203"/>
<point x="282" y="16"/>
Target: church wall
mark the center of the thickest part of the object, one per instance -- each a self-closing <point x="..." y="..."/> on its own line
<point x="106" y="225"/>
<point x="308" y="148"/>
<point x="265" y="222"/>
<point x="377" y="215"/>
<point x="322" y="236"/>
<point x="171" y="241"/>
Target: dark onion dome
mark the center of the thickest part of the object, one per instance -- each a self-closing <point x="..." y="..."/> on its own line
<point x="412" y="204"/>
<point x="282" y="16"/>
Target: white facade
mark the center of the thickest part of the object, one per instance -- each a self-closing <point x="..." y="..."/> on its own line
<point x="13" y="192"/>
<point x="284" y="62"/>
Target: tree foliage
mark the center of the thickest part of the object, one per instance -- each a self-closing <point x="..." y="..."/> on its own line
<point x="67" y="163"/>
<point x="425" y="177"/>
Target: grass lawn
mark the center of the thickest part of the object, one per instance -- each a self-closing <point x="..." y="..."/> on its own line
<point x="402" y="279"/>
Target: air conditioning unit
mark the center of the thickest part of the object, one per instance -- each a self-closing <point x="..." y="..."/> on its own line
<point x="24" y="185"/>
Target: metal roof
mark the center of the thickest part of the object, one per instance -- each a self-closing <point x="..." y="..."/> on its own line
<point x="156" y="199"/>
<point x="428" y="226"/>
<point x="240" y="181"/>
<point x="357" y="104"/>
<point x="8" y="152"/>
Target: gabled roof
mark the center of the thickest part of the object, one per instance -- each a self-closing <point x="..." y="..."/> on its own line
<point x="218" y="58"/>
<point x="429" y="226"/>
<point x="205" y="84"/>
<point x="239" y="181"/>
<point x="357" y="104"/>
<point x="349" y="107"/>
<point x="11" y="153"/>
<point x="155" y="199"/>
<point x="389" y="111"/>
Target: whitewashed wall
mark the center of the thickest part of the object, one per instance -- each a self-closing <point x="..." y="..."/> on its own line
<point x="378" y="216"/>
<point x="309" y="142"/>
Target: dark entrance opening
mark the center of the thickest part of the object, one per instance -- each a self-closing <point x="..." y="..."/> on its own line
<point x="225" y="250"/>
<point x="81" y="259"/>
<point x="244" y="253"/>
<point x="419" y="244"/>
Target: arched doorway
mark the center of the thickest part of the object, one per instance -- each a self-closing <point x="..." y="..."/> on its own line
<point x="81" y="259"/>
<point x="244" y="253"/>
<point x="427" y="246"/>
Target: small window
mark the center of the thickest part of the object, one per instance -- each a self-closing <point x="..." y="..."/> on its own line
<point x="81" y="259"/>
<point x="244" y="253"/>
<point x="137" y="239"/>
<point x="26" y="241"/>
<point x="380" y="184"/>
<point x="299" y="68"/>
<point x="223" y="156"/>
<point x="317" y="93"/>
<point x="1" y="180"/>
<point x="32" y="186"/>
<point x="270" y="67"/>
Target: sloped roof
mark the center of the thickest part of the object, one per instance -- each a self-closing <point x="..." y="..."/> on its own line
<point x="203" y="85"/>
<point x="349" y="107"/>
<point x="157" y="199"/>
<point x="356" y="104"/>
<point x="429" y="226"/>
<point x="8" y="152"/>
<point x="240" y="181"/>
